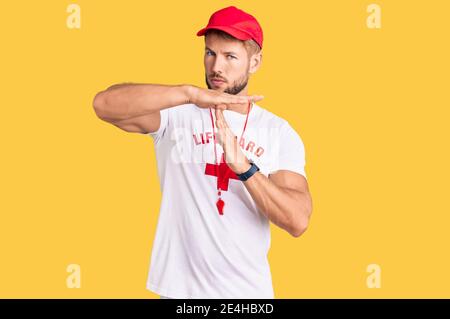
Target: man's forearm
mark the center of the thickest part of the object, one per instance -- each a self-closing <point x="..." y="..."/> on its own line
<point x="284" y="207"/>
<point x="128" y="100"/>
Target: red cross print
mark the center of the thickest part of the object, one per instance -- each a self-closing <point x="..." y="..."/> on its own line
<point x="225" y="173"/>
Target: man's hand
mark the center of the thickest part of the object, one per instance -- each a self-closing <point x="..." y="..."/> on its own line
<point x="206" y="98"/>
<point x="234" y="156"/>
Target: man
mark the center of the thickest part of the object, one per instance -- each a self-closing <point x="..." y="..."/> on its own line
<point x="227" y="167"/>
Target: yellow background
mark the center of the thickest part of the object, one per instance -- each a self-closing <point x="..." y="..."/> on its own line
<point x="371" y="105"/>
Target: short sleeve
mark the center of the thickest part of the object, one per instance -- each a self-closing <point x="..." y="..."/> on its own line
<point x="289" y="152"/>
<point x="161" y="131"/>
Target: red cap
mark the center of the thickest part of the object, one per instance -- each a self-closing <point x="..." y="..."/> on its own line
<point x="235" y="22"/>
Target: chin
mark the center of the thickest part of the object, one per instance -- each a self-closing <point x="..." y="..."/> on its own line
<point x="219" y="89"/>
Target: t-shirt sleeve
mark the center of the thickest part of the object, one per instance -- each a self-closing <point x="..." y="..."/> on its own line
<point x="289" y="152"/>
<point x="162" y="130"/>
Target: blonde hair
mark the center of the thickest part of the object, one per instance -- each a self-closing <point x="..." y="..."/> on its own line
<point x="250" y="45"/>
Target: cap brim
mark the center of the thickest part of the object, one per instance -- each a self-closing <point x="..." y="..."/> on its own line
<point x="238" y="34"/>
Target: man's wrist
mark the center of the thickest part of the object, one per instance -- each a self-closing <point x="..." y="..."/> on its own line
<point x="245" y="175"/>
<point x="189" y="92"/>
<point x="242" y="168"/>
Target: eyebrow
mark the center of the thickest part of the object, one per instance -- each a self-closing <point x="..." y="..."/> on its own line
<point x="229" y="52"/>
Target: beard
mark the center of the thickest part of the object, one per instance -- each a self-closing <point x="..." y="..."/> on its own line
<point x="235" y="88"/>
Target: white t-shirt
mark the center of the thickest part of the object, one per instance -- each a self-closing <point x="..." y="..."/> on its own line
<point x="198" y="253"/>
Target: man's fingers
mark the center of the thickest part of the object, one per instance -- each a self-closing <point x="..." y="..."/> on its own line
<point x="222" y="124"/>
<point x="219" y="118"/>
<point x="219" y="127"/>
<point x="255" y="98"/>
<point x="237" y="100"/>
<point x="222" y="119"/>
<point x="221" y="106"/>
<point x="240" y="99"/>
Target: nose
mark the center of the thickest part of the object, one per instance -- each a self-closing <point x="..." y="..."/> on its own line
<point x="218" y="66"/>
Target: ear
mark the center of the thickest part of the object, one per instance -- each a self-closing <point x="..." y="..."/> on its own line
<point x="255" y="62"/>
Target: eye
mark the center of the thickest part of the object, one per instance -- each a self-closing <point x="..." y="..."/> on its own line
<point x="207" y="52"/>
<point x="232" y="56"/>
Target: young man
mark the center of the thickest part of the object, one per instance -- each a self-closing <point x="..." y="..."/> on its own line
<point x="227" y="167"/>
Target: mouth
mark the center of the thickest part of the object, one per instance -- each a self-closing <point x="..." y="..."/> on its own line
<point x="217" y="82"/>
